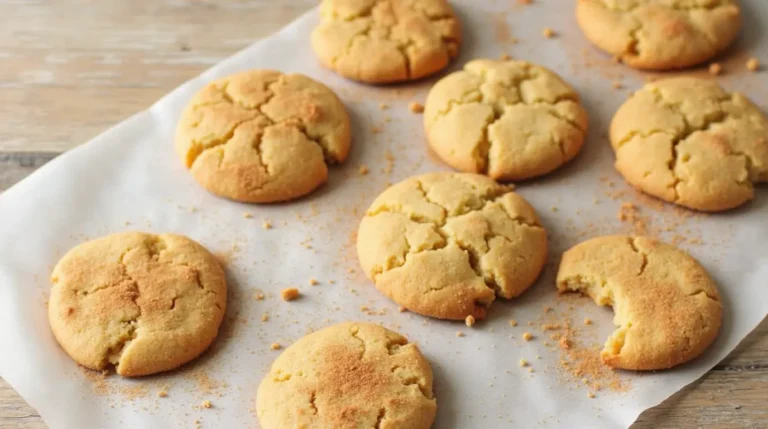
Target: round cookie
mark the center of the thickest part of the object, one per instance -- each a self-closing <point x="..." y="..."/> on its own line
<point x="660" y="34"/>
<point x="687" y="141"/>
<point x="511" y="120"/>
<point x="445" y="244"/>
<point x="348" y="376"/>
<point x="666" y="306"/>
<point x="144" y="303"/>
<point x="263" y="136"/>
<point x="382" y="41"/>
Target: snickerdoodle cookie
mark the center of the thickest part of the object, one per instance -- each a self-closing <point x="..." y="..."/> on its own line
<point x="348" y="376"/>
<point x="687" y="141"/>
<point x="144" y="303"/>
<point x="381" y="41"/>
<point x="666" y="306"/>
<point x="263" y="136"/>
<point x="660" y="34"/>
<point x="511" y="120"/>
<point x="445" y="244"/>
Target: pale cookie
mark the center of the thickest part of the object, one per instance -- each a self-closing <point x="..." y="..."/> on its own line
<point x="660" y="34"/>
<point x="511" y="120"/>
<point x="381" y="41"/>
<point x="263" y="136"/>
<point x="348" y="376"/>
<point x="445" y="244"/>
<point x="667" y="308"/>
<point x="144" y="303"/>
<point x="687" y="141"/>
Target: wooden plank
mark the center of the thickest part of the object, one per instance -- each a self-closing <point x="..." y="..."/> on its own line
<point x="80" y="66"/>
<point x="16" y="166"/>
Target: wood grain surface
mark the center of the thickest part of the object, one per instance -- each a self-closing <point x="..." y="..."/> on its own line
<point x="69" y="69"/>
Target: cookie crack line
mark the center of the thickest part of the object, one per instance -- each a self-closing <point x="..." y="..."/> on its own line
<point x="474" y="257"/>
<point x="633" y="245"/>
<point x="198" y="148"/>
<point x="367" y="13"/>
<point x="718" y="117"/>
<point x="354" y="332"/>
<point x="476" y="96"/>
<point x="114" y="354"/>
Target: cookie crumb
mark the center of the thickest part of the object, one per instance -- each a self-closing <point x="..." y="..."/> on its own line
<point x="523" y="362"/>
<point x="402" y="309"/>
<point x="266" y="225"/>
<point x="265" y="317"/>
<point x="565" y="343"/>
<point x="289" y="294"/>
<point x="247" y="215"/>
<point x="469" y="321"/>
<point x="330" y="282"/>
<point x="505" y="57"/>
<point x="416" y="107"/>
<point x="547" y="309"/>
<point x="715" y="69"/>
<point x="753" y="64"/>
<point x="206" y="404"/>
<point x="616" y="59"/>
<point x="512" y="322"/>
<point x="617" y="85"/>
<point x="363" y="170"/>
<point x="313" y="282"/>
<point x="459" y="334"/>
<point x="590" y="395"/>
<point x="375" y="130"/>
<point x="258" y="296"/>
<point x="527" y="336"/>
<point x="548" y="33"/>
<point x="530" y="369"/>
<point x="383" y="106"/>
<point x="587" y="321"/>
<point x="162" y="394"/>
<point x="524" y="2"/>
<point x="275" y="346"/>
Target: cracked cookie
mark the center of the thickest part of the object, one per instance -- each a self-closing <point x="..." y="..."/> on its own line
<point x="263" y="136"/>
<point x="382" y="41"/>
<point x="660" y="34"/>
<point x="687" y="141"/>
<point x="348" y="376"/>
<point x="445" y="244"/>
<point x="144" y="303"/>
<point x="510" y="120"/>
<point x="667" y="308"/>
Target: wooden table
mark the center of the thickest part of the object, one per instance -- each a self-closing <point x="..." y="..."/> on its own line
<point x="71" y="68"/>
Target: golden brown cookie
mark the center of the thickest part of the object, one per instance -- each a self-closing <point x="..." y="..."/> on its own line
<point x="687" y="141"/>
<point x="144" y="303"/>
<point x="666" y="306"/>
<point x="660" y="34"/>
<point x="263" y="136"/>
<point x="511" y="120"/>
<point x="445" y="244"/>
<point x="381" y="41"/>
<point x="348" y="376"/>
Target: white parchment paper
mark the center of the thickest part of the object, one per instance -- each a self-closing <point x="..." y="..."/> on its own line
<point x="129" y="178"/>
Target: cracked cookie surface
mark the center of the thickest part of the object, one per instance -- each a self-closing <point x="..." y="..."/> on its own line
<point x="382" y="41"/>
<point x="144" y="303"/>
<point x="263" y="136"/>
<point x="660" y="34"/>
<point x="667" y="307"/>
<point x="687" y="141"/>
<point x="445" y="244"/>
<point x="348" y="376"/>
<point x="510" y="120"/>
